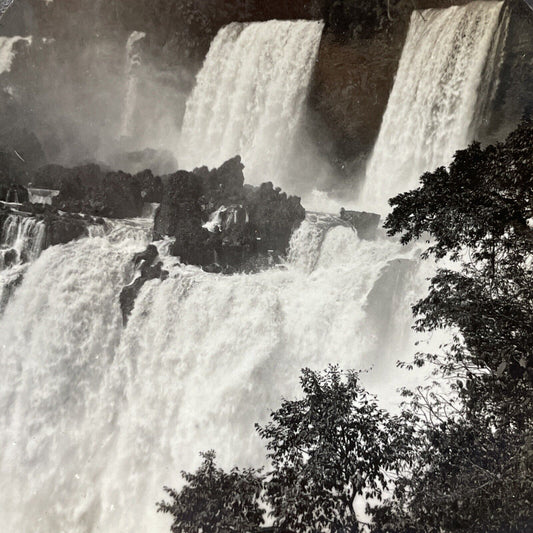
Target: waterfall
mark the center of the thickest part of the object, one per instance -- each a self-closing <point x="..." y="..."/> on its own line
<point x="432" y="108"/>
<point x="249" y="97"/>
<point x="97" y="418"/>
<point x="133" y="61"/>
<point x="42" y="196"/>
<point x="25" y="236"/>
<point x="7" y="52"/>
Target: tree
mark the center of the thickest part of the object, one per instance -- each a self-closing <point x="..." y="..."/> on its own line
<point x="478" y="214"/>
<point x="328" y="448"/>
<point x="213" y="501"/>
<point x="475" y="461"/>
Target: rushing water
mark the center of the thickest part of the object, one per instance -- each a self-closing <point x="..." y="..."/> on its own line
<point x="133" y="60"/>
<point x="7" y="52"/>
<point x="22" y="237"/>
<point x="249" y="97"/>
<point x="432" y="108"/>
<point x="97" y="418"/>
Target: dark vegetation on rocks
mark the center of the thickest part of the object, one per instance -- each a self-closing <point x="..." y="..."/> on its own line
<point x="253" y="226"/>
<point x="92" y="190"/>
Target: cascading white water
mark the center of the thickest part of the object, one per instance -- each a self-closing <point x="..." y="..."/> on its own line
<point x="7" y="52"/>
<point x="23" y="235"/>
<point x="97" y="419"/>
<point x="249" y="97"/>
<point x="432" y="107"/>
<point x="133" y="60"/>
<point x="42" y="196"/>
<point x="22" y="240"/>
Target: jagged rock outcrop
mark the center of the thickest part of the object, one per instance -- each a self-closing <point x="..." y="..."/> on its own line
<point x="149" y="269"/>
<point x="366" y="224"/>
<point x="151" y="186"/>
<point x="63" y="229"/>
<point x="89" y="189"/>
<point x="72" y="182"/>
<point x="223" y="225"/>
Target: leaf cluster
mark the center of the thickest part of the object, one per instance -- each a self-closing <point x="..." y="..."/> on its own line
<point x="215" y="501"/>
<point x="328" y="448"/>
<point x="474" y="469"/>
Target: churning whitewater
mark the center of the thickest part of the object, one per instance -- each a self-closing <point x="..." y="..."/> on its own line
<point x="96" y="417"/>
<point x="432" y="108"/>
<point x="249" y="97"/>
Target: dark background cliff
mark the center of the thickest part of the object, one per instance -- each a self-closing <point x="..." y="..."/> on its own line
<point x="69" y="82"/>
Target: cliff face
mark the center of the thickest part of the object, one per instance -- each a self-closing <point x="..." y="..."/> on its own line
<point x="514" y="95"/>
<point x="69" y="87"/>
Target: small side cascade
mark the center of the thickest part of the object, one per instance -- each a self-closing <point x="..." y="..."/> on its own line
<point x="42" y="196"/>
<point x="133" y="61"/>
<point x="23" y="240"/>
<point x="7" y="50"/>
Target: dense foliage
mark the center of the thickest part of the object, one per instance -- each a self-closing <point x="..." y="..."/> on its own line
<point x="215" y="501"/>
<point x="461" y="454"/>
<point x="475" y="452"/>
<point x="327" y="449"/>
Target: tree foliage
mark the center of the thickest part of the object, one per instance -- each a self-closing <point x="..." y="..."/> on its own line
<point x="213" y="501"/>
<point x="333" y="445"/>
<point x="461" y="455"/>
<point x="475" y="469"/>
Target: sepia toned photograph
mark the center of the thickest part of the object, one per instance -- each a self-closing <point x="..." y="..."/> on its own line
<point x="266" y="266"/>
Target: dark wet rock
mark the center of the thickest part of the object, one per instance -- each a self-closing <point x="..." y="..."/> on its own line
<point x="10" y="257"/>
<point x="151" y="186"/>
<point x="366" y="224"/>
<point x="147" y="256"/>
<point x="148" y="270"/>
<point x="10" y="286"/>
<point x="91" y="190"/>
<point x="128" y="295"/>
<point x="221" y="224"/>
<point x="120" y="196"/>
<point x="72" y="182"/>
<point x="180" y="216"/>
<point x="63" y="229"/>
<point x="273" y="217"/>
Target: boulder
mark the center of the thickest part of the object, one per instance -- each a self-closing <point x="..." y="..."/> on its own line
<point x="63" y="229"/>
<point x="151" y="186"/>
<point x="148" y="271"/>
<point x="366" y="224"/>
